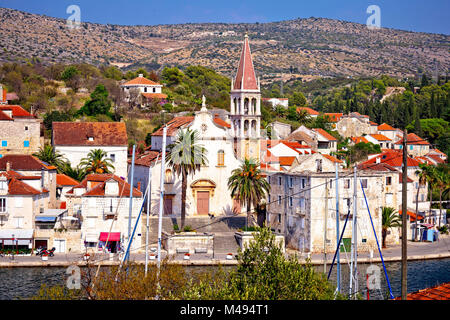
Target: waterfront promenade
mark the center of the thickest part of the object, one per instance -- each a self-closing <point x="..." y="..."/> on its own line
<point x="416" y="251"/>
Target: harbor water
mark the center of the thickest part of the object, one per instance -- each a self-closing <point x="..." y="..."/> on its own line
<point x="23" y="283"/>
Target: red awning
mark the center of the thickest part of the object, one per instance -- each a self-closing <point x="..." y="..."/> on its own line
<point x="114" y="236"/>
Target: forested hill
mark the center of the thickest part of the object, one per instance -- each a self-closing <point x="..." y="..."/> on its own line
<point x="295" y="48"/>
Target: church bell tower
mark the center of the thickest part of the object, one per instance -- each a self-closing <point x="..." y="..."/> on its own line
<point x="245" y="108"/>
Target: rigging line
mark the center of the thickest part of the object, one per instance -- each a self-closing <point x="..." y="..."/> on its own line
<point x="253" y="211"/>
<point x="376" y="238"/>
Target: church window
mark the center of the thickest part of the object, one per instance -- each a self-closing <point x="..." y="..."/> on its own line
<point x="220" y="158"/>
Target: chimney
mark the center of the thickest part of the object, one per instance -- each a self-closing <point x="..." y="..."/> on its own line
<point x="42" y="178"/>
<point x="377" y="160"/>
<point x="8" y="166"/>
<point x="141" y="75"/>
<point x="139" y="186"/>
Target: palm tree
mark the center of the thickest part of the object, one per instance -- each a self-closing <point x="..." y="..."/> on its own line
<point x="248" y="186"/>
<point x="97" y="162"/>
<point x="185" y="156"/>
<point x="442" y="179"/>
<point x="390" y="219"/>
<point x="49" y="155"/>
<point x="77" y="173"/>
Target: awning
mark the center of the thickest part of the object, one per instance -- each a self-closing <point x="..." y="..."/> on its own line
<point x="114" y="236"/>
<point x="21" y="236"/>
<point x="49" y="215"/>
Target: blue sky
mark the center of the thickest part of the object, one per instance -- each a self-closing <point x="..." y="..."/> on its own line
<point x="413" y="15"/>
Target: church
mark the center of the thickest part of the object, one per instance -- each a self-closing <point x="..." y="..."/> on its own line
<point x="227" y="142"/>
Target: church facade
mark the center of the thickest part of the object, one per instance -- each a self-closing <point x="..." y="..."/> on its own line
<point x="227" y="142"/>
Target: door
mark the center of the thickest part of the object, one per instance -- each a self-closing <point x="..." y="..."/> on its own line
<point x="40" y="244"/>
<point x="202" y="202"/>
<point x="167" y="205"/>
<point x="60" y="245"/>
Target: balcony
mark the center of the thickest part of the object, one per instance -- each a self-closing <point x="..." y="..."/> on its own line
<point x="109" y="213"/>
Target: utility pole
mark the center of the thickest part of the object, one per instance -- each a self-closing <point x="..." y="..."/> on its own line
<point x="161" y="200"/>
<point x="404" y="219"/>
<point x="354" y="252"/>
<point x="130" y="205"/>
<point x="338" y="264"/>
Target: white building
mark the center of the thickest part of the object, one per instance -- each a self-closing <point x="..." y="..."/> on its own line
<point x="101" y="202"/>
<point x="74" y="140"/>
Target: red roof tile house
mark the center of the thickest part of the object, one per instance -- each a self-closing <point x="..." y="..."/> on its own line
<point x="40" y="175"/>
<point x="74" y="140"/>
<point x="22" y="199"/>
<point x="416" y="146"/>
<point x="20" y="131"/>
<point x="142" y="91"/>
<point x="383" y="141"/>
<point x="101" y="201"/>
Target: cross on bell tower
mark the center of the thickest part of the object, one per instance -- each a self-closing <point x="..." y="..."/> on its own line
<point x="245" y="108"/>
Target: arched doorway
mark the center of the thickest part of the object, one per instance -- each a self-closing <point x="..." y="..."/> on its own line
<point x="203" y="191"/>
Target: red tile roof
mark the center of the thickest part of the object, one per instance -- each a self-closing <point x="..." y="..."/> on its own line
<point x="99" y="187"/>
<point x="325" y="134"/>
<point x="23" y="162"/>
<point x="63" y="180"/>
<point x="17" y="187"/>
<point x="78" y="133"/>
<point x="412" y="215"/>
<point x="439" y="292"/>
<point x="141" y="81"/>
<point x="357" y="140"/>
<point x="413" y="139"/>
<point x="385" y="127"/>
<point x="331" y="158"/>
<point x="393" y="158"/>
<point x="435" y="158"/>
<point x="245" y="76"/>
<point x="286" y="161"/>
<point x="221" y="122"/>
<point x="379" y="137"/>
<point x="5" y="117"/>
<point x="334" y="117"/>
<point x="147" y="158"/>
<point x="154" y="95"/>
<point x="310" y="111"/>
<point x="173" y="125"/>
<point x="17" y="111"/>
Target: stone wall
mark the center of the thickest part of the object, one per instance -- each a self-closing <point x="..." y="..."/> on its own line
<point x="16" y="132"/>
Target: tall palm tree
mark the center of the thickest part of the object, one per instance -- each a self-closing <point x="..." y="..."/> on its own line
<point x="442" y="178"/>
<point x="390" y="219"/>
<point x="49" y="155"/>
<point x="97" y="162"/>
<point x="185" y="156"/>
<point x="248" y="186"/>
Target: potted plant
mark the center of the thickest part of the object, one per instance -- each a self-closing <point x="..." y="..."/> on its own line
<point x="44" y="257"/>
<point x="187" y="256"/>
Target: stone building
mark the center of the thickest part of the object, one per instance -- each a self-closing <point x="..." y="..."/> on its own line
<point x="74" y="140"/>
<point x="20" y="131"/>
<point x="353" y="125"/>
<point x="302" y="207"/>
<point x="142" y="91"/>
<point x="101" y="203"/>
